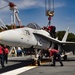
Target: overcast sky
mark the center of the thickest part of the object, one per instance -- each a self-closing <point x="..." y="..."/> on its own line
<point x="34" y="11"/>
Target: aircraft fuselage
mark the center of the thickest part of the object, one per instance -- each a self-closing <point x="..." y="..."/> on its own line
<point x="24" y="37"/>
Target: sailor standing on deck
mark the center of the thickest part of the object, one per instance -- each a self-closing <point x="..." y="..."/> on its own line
<point x="6" y="51"/>
<point x="1" y="56"/>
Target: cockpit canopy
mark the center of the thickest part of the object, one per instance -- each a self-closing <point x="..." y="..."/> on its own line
<point x="33" y="26"/>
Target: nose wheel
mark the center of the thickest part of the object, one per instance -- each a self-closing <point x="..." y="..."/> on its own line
<point x="37" y="59"/>
<point x="36" y="62"/>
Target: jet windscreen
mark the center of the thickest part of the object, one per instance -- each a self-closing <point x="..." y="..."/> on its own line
<point x="34" y="26"/>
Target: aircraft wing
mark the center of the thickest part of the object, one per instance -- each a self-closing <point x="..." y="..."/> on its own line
<point x="47" y="37"/>
<point x="67" y="46"/>
<point x="53" y="39"/>
<point x="72" y="43"/>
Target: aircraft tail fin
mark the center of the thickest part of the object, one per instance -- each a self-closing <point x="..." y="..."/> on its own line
<point x="66" y="35"/>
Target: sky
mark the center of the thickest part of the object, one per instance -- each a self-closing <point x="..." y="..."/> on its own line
<point x="34" y="11"/>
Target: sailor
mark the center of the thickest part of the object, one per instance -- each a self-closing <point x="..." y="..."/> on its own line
<point x="6" y="54"/>
<point x="45" y="28"/>
<point x="51" y="30"/>
<point x="55" y="53"/>
<point x="1" y="56"/>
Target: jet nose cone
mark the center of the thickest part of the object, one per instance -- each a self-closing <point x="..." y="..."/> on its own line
<point x="4" y="37"/>
<point x="1" y="36"/>
<point x="7" y="37"/>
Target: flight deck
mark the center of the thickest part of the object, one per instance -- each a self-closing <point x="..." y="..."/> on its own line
<point x="21" y="66"/>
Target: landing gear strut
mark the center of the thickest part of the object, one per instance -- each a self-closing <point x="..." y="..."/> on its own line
<point x="37" y="59"/>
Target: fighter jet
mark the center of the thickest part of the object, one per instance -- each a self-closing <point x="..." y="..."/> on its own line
<point x="34" y="37"/>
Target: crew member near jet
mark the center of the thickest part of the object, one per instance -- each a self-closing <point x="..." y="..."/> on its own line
<point x="55" y="53"/>
<point x="45" y="28"/>
<point x="51" y="30"/>
<point x="1" y="56"/>
<point x="6" y="51"/>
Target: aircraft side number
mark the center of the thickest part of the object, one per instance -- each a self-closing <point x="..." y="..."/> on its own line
<point x="27" y="32"/>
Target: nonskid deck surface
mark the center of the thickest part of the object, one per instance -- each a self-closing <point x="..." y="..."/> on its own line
<point x="20" y="66"/>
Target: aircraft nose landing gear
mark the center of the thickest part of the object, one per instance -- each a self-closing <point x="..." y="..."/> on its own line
<point x="37" y="59"/>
